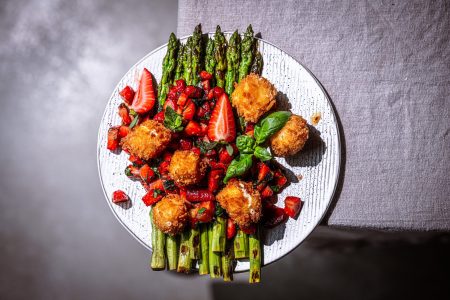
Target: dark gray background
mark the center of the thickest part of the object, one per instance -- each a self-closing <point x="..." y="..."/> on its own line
<point x="59" y="61"/>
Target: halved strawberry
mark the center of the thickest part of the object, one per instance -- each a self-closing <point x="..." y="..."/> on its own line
<point x="124" y="131"/>
<point x="124" y="114"/>
<point x="144" y="100"/>
<point x="113" y="138"/>
<point x="292" y="206"/>
<point x="189" y="110"/>
<point x="119" y="196"/>
<point x="127" y="94"/>
<point x="221" y="126"/>
<point x="193" y="129"/>
<point x="231" y="229"/>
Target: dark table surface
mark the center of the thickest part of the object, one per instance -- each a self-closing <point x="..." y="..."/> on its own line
<point x="59" y="61"/>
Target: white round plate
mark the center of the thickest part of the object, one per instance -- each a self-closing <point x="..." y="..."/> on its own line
<point x="317" y="165"/>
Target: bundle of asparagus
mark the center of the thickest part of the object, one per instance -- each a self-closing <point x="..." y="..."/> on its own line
<point x="229" y="62"/>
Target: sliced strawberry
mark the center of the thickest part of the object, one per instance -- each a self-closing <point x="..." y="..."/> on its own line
<point x="205" y="75"/>
<point x="144" y="100"/>
<point x="205" y="212"/>
<point x="221" y="125"/>
<point x="146" y="173"/>
<point x="273" y="215"/>
<point x="292" y="206"/>
<point x="119" y="196"/>
<point x="159" y="117"/>
<point x="218" y="165"/>
<point x="124" y="114"/>
<point x="264" y="173"/>
<point x="113" y="139"/>
<point x="164" y="168"/>
<point x="127" y="94"/>
<point x="124" y="131"/>
<point x="189" y="110"/>
<point x="173" y="93"/>
<point x="214" y="178"/>
<point x="194" y="195"/>
<point x="231" y="229"/>
<point x="152" y="197"/>
<point x="193" y="129"/>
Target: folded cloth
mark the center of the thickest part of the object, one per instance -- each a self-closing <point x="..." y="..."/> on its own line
<point x="386" y="67"/>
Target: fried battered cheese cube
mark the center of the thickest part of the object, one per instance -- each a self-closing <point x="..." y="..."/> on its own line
<point x="291" y="138"/>
<point x="186" y="167"/>
<point x="147" y="140"/>
<point x="241" y="201"/>
<point x="253" y="96"/>
<point x="170" y="214"/>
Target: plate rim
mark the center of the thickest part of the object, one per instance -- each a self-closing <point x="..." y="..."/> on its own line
<point x="338" y="148"/>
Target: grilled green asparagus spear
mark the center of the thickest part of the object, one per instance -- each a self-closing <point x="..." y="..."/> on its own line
<point x="194" y="241"/>
<point x="233" y="57"/>
<point x="210" y="61"/>
<point x="215" y="268"/>
<point x="247" y="51"/>
<point x="255" y="257"/>
<point x="219" y="235"/>
<point x="168" y="68"/>
<point x="220" y="47"/>
<point x="179" y="68"/>
<point x="203" y="263"/>
<point x="158" y="254"/>
<point x="196" y="61"/>
<point x="187" y="61"/>
<point x="257" y="64"/>
<point x="241" y="245"/>
<point x="172" y="251"/>
<point x="184" y="258"/>
<point x="227" y="262"/>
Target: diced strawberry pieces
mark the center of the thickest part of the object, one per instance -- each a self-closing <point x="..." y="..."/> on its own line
<point x="193" y="129"/>
<point x="124" y="114"/>
<point x="264" y="173"/>
<point x="171" y="103"/>
<point x="210" y="95"/>
<point x="156" y="185"/>
<point x="132" y="172"/>
<point x="152" y="197"/>
<point x="205" y="212"/>
<point x="231" y="229"/>
<point x="135" y="160"/>
<point x="214" y="178"/>
<point x="195" y="195"/>
<point x="218" y="91"/>
<point x="173" y="93"/>
<point x="292" y="206"/>
<point x="164" y="167"/>
<point x="273" y="215"/>
<point x="144" y="99"/>
<point x="185" y="144"/>
<point x="280" y="179"/>
<point x="218" y="165"/>
<point x="249" y="230"/>
<point x="196" y="150"/>
<point x="167" y="156"/>
<point x="221" y="124"/>
<point x="193" y="91"/>
<point x="180" y="85"/>
<point x="146" y="173"/>
<point x="224" y="156"/>
<point x="206" y="85"/>
<point x="267" y="192"/>
<point x="159" y="117"/>
<point x="182" y="99"/>
<point x="113" y="139"/>
<point x="119" y="196"/>
<point x="205" y="75"/>
<point x="127" y="94"/>
<point x="124" y="131"/>
<point x="189" y="111"/>
<point x="211" y="154"/>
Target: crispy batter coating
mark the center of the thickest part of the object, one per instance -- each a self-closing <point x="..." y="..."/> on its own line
<point x="147" y="140"/>
<point x="241" y="201"/>
<point x="170" y="214"/>
<point x="253" y="96"/>
<point x="186" y="167"/>
<point x="291" y="138"/>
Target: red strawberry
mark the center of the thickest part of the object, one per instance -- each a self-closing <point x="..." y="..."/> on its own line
<point x="157" y="185"/>
<point x="180" y="85"/>
<point x="264" y="173"/>
<point x="273" y="215"/>
<point x="221" y="126"/>
<point x="144" y="100"/>
<point x="119" y="196"/>
<point x="185" y="144"/>
<point x="193" y="129"/>
<point x="113" y="138"/>
<point x="124" y="131"/>
<point x="206" y="211"/>
<point x="124" y="114"/>
<point x="127" y="94"/>
<point x="193" y="91"/>
<point x="194" y="195"/>
<point x="280" y="179"/>
<point x="135" y="160"/>
<point x="292" y="206"/>
<point x="210" y="94"/>
<point x="189" y="110"/>
<point x="132" y="172"/>
<point x="205" y="75"/>
<point x="196" y="150"/>
<point x="152" y="197"/>
<point x="231" y="229"/>
<point x="206" y="85"/>
<point x="267" y="192"/>
<point x="159" y="117"/>
<point x="182" y="99"/>
<point x="218" y="91"/>
<point x="171" y="103"/>
<point x="214" y="178"/>
<point x="146" y="173"/>
<point x="224" y="156"/>
<point x="249" y="230"/>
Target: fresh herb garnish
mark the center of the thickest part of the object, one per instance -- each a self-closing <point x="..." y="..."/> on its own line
<point x="229" y="149"/>
<point x="205" y="146"/>
<point x="169" y="185"/>
<point x="134" y="122"/>
<point x="201" y="211"/>
<point x="172" y="120"/>
<point x="245" y="144"/>
<point x="270" y="125"/>
<point x="157" y="192"/>
<point x="239" y="166"/>
<point x="262" y="153"/>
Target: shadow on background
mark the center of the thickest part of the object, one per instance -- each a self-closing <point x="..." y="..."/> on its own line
<point x="389" y="266"/>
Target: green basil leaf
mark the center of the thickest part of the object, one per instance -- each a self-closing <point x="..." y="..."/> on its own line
<point x="262" y="153"/>
<point x="172" y="120"/>
<point x="270" y="125"/>
<point x="245" y="144"/>
<point x="229" y="149"/>
<point x="134" y="122"/>
<point x="239" y="166"/>
<point x="201" y="211"/>
<point x="205" y="146"/>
